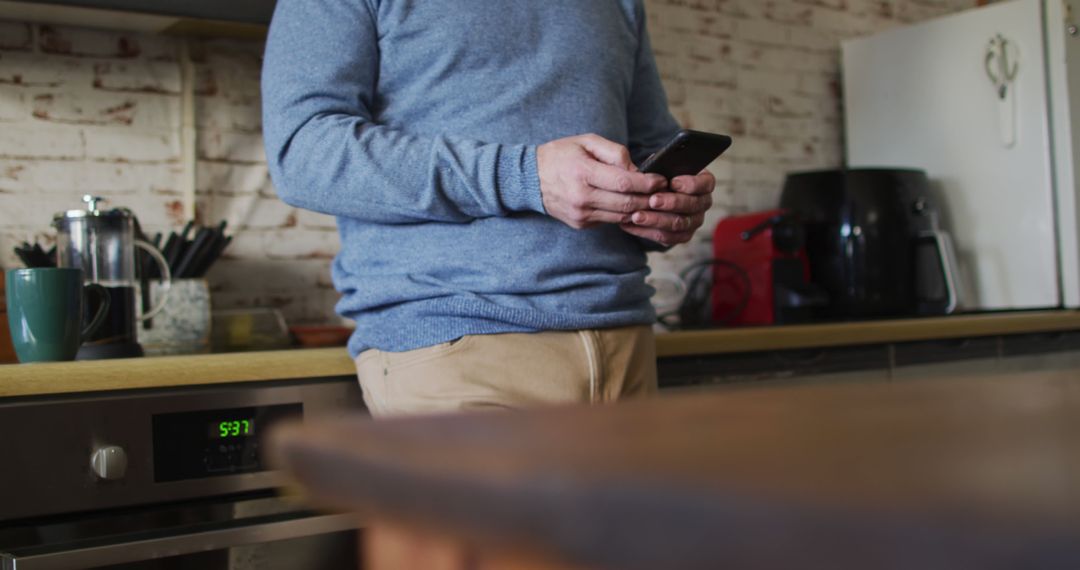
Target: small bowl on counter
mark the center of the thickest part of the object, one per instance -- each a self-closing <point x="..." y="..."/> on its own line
<point x="252" y="329"/>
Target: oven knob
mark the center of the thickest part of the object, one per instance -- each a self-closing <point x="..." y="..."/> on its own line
<point x="109" y="462"/>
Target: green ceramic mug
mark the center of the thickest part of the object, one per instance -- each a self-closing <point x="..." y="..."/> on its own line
<point x="45" y="312"/>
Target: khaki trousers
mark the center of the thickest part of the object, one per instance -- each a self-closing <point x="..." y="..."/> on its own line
<point x="510" y="371"/>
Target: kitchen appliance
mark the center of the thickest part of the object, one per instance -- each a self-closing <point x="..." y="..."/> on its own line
<point x="937" y="278"/>
<point x="864" y="230"/>
<point x="102" y="243"/>
<point x="164" y="478"/>
<point x="982" y="101"/>
<point x="760" y="271"/>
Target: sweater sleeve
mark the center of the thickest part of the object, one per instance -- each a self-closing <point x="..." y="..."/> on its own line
<point x="327" y="152"/>
<point x="648" y="117"/>
<point x="649" y="120"/>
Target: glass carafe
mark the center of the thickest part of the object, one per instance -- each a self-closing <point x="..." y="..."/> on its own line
<point x="102" y="243"/>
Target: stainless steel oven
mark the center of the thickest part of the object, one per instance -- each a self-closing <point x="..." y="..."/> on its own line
<point x="167" y="478"/>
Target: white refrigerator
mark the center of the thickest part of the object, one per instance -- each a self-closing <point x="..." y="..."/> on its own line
<point x="983" y="101"/>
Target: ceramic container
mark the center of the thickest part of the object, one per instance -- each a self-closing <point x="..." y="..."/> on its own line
<point x="183" y="325"/>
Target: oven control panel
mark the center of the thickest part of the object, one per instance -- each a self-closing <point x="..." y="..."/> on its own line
<point x="117" y="449"/>
<point x="208" y="443"/>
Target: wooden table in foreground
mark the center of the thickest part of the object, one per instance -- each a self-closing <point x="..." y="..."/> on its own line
<point x="978" y="473"/>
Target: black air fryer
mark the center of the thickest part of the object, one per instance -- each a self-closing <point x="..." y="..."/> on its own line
<point x="865" y="229"/>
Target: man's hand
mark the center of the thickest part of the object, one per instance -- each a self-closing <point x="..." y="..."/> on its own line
<point x="673" y="217"/>
<point x="587" y="180"/>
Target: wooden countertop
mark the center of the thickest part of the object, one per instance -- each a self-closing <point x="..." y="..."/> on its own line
<point x="65" y="377"/>
<point x="167" y="371"/>
<point x="959" y="474"/>
<point x="726" y="341"/>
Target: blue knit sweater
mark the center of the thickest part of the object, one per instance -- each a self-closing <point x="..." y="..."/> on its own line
<point x="415" y="123"/>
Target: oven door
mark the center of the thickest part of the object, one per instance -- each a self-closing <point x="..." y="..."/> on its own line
<point x="123" y="479"/>
<point x="237" y="534"/>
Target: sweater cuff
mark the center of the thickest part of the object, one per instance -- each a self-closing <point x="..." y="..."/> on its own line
<point x="519" y="181"/>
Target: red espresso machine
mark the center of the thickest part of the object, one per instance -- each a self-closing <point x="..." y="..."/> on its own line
<point x="761" y="272"/>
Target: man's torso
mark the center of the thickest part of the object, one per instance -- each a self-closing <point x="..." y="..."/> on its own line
<point x="506" y="71"/>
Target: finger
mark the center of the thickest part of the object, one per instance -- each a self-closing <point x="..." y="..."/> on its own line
<point x="583" y="217"/>
<point x="619" y="203"/>
<point x="615" y="179"/>
<point x="680" y="203"/>
<point x="703" y="183"/>
<point x="659" y="236"/>
<point x="595" y="217"/>
<point x="668" y="222"/>
<point x="607" y="151"/>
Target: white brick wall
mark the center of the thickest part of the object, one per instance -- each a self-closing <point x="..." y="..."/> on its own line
<point x="99" y="111"/>
<point x="88" y="111"/>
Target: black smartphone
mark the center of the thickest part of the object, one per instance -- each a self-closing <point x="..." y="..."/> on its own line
<point x="688" y="152"/>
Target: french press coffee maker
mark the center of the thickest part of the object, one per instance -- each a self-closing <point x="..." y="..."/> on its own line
<point x="102" y="243"/>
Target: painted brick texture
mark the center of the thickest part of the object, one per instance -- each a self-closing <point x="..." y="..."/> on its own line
<point x="89" y="111"/>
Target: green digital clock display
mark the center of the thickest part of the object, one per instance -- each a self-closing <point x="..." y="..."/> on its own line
<point x="217" y="442"/>
<point x="232" y="428"/>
